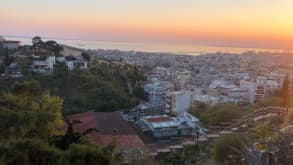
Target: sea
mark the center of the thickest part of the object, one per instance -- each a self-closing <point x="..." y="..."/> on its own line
<point x="189" y="49"/>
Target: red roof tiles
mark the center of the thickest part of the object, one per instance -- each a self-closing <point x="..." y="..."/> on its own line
<point x="159" y="119"/>
<point x="106" y="122"/>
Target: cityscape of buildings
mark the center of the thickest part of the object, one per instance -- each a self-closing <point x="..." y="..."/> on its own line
<point x="174" y="83"/>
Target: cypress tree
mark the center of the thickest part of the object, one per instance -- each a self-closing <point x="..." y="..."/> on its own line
<point x="285" y="90"/>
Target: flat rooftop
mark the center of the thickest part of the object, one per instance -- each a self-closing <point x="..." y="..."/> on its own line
<point x="159" y="119"/>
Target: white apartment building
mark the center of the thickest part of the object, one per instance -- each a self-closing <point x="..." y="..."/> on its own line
<point x="182" y="78"/>
<point x="8" y="44"/>
<point x="44" y="65"/>
<point x="157" y="91"/>
<point x="179" y="101"/>
<point x="76" y="64"/>
<point x="208" y="99"/>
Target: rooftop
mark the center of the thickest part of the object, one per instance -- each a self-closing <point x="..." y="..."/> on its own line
<point x="3" y="40"/>
<point x="112" y="127"/>
<point x="160" y="119"/>
<point x="6" y="41"/>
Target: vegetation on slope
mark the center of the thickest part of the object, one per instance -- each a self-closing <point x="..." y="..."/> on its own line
<point x="104" y="87"/>
<point x="30" y="120"/>
<point x="214" y="115"/>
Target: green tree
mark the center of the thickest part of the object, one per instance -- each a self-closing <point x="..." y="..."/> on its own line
<point x="30" y="119"/>
<point x="90" y="154"/>
<point x="53" y="47"/>
<point x="214" y="115"/>
<point x="2" y="68"/>
<point x="139" y="92"/>
<point x="86" y="56"/>
<point x="188" y="155"/>
<point x="26" y="112"/>
<point x="285" y="90"/>
<point x="227" y="145"/>
<point x="30" y="151"/>
<point x="37" y="41"/>
<point x="102" y="88"/>
<point x="65" y="140"/>
<point x="261" y="134"/>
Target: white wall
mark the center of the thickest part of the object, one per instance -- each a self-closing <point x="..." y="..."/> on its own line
<point x="250" y="86"/>
<point x="183" y="101"/>
<point x="10" y="45"/>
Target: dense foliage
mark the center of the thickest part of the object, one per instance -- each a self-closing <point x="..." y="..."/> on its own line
<point x="230" y="144"/>
<point x="30" y="131"/>
<point x="50" y="46"/>
<point x="214" y="115"/>
<point x="104" y="87"/>
<point x="28" y="112"/>
<point x="192" y="154"/>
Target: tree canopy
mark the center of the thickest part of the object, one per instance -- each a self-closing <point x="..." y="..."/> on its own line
<point x="30" y="122"/>
<point x="26" y="112"/>
<point x="214" y="115"/>
<point x="104" y="87"/>
<point x="230" y="144"/>
<point x="51" y="45"/>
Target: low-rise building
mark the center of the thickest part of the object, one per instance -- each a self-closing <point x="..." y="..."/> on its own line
<point x="208" y="99"/>
<point x="166" y="126"/>
<point x="42" y="66"/>
<point x="76" y="63"/>
<point x="112" y="128"/>
<point x="8" y="43"/>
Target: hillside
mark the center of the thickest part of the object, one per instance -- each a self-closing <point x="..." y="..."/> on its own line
<point x="101" y="88"/>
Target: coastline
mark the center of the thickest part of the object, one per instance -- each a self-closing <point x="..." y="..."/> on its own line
<point x="178" y="49"/>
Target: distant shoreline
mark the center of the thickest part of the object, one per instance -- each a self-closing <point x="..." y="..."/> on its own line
<point x="178" y="49"/>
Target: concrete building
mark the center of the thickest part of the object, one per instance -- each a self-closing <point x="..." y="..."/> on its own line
<point x="42" y="66"/>
<point x="259" y="88"/>
<point x="227" y="91"/>
<point x="166" y="126"/>
<point x="251" y="87"/>
<point x="157" y="91"/>
<point x="162" y="72"/>
<point x="273" y="84"/>
<point x="208" y="99"/>
<point x="178" y="102"/>
<point x="72" y="64"/>
<point x="8" y="43"/>
<point x="182" y="79"/>
<point x="239" y="95"/>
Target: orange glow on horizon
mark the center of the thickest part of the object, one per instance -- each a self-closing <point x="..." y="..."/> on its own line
<point x="271" y="24"/>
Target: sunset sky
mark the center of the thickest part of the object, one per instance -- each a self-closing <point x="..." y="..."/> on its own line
<point x="241" y="23"/>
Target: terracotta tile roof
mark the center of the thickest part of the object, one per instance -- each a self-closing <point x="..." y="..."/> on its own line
<point x="108" y="122"/>
<point x="159" y="119"/>
<point x="122" y="141"/>
<point x="87" y="121"/>
<point x="111" y="126"/>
